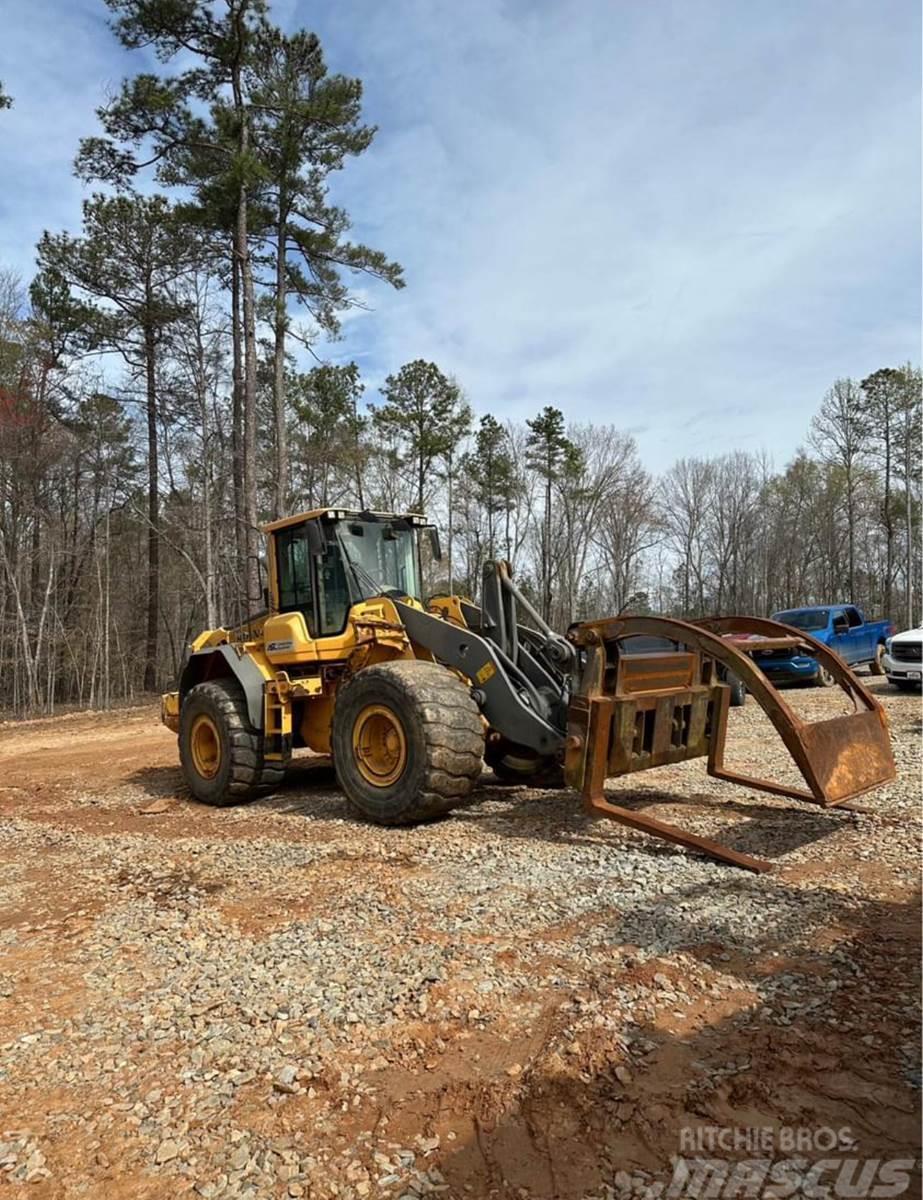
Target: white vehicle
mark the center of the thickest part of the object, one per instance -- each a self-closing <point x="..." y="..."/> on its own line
<point x="903" y="659"/>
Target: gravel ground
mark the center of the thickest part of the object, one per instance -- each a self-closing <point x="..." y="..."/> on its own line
<point x="277" y="1000"/>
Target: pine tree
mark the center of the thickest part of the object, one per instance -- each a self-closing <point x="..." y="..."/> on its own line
<point x="840" y="432"/>
<point x="551" y="454"/>
<point x="492" y="470"/>
<point x="907" y="445"/>
<point x="155" y="122"/>
<point x="882" y="392"/>
<point x="306" y="124"/>
<point x="425" y="414"/>
<point x="328" y="430"/>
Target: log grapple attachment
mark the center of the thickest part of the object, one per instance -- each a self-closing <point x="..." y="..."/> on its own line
<point x="633" y="711"/>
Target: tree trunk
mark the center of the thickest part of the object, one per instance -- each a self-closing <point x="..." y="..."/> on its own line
<point x="280" y="482"/>
<point x="910" y="621"/>
<point x="33" y="697"/>
<point x="35" y="555"/>
<point x="546" y="550"/>
<point x="888" y="517"/>
<point x="250" y="503"/>
<point x="242" y="250"/>
<point x="449" y="522"/>
<point x="107" y="693"/>
<point x="360" y="490"/>
<point x="211" y="616"/>
<point x="237" y="438"/>
<point x="851" y="535"/>
<point x="489" y="464"/>
<point x="153" y="517"/>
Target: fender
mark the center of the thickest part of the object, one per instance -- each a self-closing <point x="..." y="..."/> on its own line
<point x="201" y="666"/>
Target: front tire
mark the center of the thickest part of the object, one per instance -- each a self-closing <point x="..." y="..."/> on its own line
<point x="220" y="751"/>
<point x="876" y="666"/>
<point x="408" y="742"/>
<point x="823" y="678"/>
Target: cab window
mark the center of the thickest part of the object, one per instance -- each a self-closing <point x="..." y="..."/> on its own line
<point x="852" y="616"/>
<point x="333" y="599"/>
<point x="296" y="593"/>
<point x="810" y="620"/>
<point x="315" y="587"/>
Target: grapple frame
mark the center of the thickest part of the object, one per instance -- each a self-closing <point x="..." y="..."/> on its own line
<point x="633" y="712"/>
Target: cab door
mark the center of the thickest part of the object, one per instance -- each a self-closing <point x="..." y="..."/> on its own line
<point x="840" y="635"/>
<point x="311" y="592"/>
<point x="295" y="575"/>
<point x="860" y="636"/>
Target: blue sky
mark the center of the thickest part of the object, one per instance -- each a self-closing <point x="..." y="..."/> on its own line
<point x="685" y="219"/>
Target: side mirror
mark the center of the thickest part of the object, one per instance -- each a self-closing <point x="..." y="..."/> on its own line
<point x="434" y="542"/>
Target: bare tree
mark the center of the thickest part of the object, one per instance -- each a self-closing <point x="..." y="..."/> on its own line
<point x="686" y="496"/>
<point x="840" y="433"/>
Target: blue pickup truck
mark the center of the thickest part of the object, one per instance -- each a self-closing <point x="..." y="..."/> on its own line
<point x="843" y="628"/>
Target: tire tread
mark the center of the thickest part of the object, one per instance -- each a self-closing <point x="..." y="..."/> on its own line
<point x="249" y="775"/>
<point x="453" y="737"/>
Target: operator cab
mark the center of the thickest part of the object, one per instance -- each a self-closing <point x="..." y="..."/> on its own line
<point x="324" y="562"/>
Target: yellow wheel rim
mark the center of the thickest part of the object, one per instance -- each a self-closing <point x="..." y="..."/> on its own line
<point x="379" y="745"/>
<point x="205" y="744"/>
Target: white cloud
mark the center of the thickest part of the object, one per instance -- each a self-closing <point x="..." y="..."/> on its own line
<point x="641" y="212"/>
<point x="59" y="62"/>
<point x="685" y="218"/>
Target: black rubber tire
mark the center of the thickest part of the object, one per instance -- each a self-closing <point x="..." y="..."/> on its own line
<point x="242" y="774"/>
<point x="823" y="678"/>
<point x="876" y="666"/>
<point x="444" y="737"/>
<point x="518" y="766"/>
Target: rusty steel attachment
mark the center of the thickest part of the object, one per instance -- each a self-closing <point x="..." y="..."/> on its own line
<point x="631" y="712"/>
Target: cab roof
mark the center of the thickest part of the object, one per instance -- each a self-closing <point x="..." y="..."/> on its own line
<point x="342" y="514"/>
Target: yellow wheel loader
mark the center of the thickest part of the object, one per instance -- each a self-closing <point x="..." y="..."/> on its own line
<point x="410" y="698"/>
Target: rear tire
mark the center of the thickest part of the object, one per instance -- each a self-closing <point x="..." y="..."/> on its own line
<point x="220" y="751"/>
<point x="876" y="667"/>
<point x="408" y="742"/>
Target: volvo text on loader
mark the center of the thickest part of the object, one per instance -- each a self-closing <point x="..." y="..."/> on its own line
<point x="411" y="697"/>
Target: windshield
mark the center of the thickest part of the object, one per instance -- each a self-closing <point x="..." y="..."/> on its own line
<point x="812" y="618"/>
<point x="382" y="555"/>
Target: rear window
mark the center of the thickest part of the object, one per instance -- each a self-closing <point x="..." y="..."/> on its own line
<point x="812" y="618"/>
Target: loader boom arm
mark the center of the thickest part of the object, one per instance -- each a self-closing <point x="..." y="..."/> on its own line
<point x="506" y="696"/>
